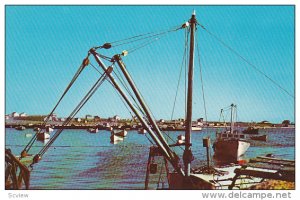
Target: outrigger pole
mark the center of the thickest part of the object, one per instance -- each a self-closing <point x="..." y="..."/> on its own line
<point x="187" y="155"/>
<point x="144" y="106"/>
<point x="168" y="154"/>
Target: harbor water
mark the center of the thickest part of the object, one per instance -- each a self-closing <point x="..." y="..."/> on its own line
<point x="82" y="160"/>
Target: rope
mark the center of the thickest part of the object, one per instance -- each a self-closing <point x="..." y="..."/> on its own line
<point x="130" y="94"/>
<point x="246" y="61"/>
<point x="202" y="83"/>
<point x="182" y="63"/>
<point x="74" y="112"/>
<point x="143" y="45"/>
<point x="143" y="38"/>
<point x="80" y="69"/>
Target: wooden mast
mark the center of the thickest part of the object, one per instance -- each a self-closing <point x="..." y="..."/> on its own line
<point x="187" y="155"/>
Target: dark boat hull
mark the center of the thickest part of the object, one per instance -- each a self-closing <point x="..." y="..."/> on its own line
<point x="259" y="138"/>
<point x="251" y="130"/>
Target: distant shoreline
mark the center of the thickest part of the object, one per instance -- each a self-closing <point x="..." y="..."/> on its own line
<point x="101" y="127"/>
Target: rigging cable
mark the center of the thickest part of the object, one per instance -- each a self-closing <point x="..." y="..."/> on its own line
<point x="201" y="78"/>
<point x="179" y="78"/>
<point x="74" y="112"/>
<point x="33" y="139"/>
<point x="248" y="62"/>
<point x="126" y="88"/>
<point x="154" y="34"/>
<point x="113" y="87"/>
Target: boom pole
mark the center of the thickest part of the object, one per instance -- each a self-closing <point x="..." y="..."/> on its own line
<point x="144" y="106"/>
<point x="167" y="155"/>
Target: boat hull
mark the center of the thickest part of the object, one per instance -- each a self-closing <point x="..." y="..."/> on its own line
<point x="142" y="131"/>
<point x="114" y="138"/>
<point x="93" y="130"/>
<point x="230" y="150"/>
<point x="43" y="136"/>
<point x="121" y="133"/>
<point x="259" y="138"/>
<point x="251" y="131"/>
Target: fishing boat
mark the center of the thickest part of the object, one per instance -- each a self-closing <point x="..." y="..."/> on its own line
<point x="36" y="129"/>
<point x="251" y="130"/>
<point x="142" y="131"/>
<point x="42" y="136"/>
<point x="230" y="144"/>
<point x="122" y="133"/>
<point x="20" y="128"/>
<point x="180" y="139"/>
<point x="49" y="129"/>
<point x="116" y="137"/>
<point x="259" y="137"/>
<point x="196" y="128"/>
<point x="93" y="130"/>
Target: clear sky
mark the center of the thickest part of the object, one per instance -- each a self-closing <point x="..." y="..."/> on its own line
<point x="46" y="44"/>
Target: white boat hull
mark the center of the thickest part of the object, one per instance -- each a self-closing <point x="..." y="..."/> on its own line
<point x="142" y="131"/>
<point x="49" y="129"/>
<point x="43" y="136"/>
<point x="230" y="149"/>
<point x="93" y="130"/>
<point x="121" y="133"/>
<point x="195" y="128"/>
<point x="115" y="138"/>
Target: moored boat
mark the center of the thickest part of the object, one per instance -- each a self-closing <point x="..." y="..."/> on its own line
<point x="36" y="129"/>
<point x="196" y="128"/>
<point x="259" y="137"/>
<point x="180" y="139"/>
<point x="42" y="136"/>
<point x="115" y="138"/>
<point x="20" y="128"/>
<point x="93" y="130"/>
<point x="230" y="145"/>
<point x="49" y="129"/>
<point x="122" y="133"/>
<point x="142" y="131"/>
<point x="251" y="130"/>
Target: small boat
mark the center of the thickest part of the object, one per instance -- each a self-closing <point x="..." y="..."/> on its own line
<point x="93" y="130"/>
<point x="115" y="138"/>
<point x="122" y="133"/>
<point x="20" y="128"/>
<point x="259" y="137"/>
<point x="142" y="131"/>
<point x="42" y="136"/>
<point x="180" y="139"/>
<point x="28" y="135"/>
<point x="196" y="128"/>
<point x="49" y="129"/>
<point x="251" y="130"/>
<point x="36" y="129"/>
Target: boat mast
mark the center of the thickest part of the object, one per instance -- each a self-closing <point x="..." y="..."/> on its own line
<point x="187" y="155"/>
<point x="231" y="118"/>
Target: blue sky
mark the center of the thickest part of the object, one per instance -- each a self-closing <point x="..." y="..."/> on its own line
<point x="46" y="44"/>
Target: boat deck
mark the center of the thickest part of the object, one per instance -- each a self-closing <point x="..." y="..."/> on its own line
<point x="245" y="176"/>
<point x="224" y="179"/>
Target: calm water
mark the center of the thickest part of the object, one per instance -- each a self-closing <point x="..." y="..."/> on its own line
<point x="81" y="160"/>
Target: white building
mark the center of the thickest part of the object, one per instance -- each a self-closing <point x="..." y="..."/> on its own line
<point x="23" y="114"/>
<point x="15" y="114"/>
<point x="116" y="117"/>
